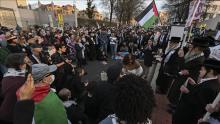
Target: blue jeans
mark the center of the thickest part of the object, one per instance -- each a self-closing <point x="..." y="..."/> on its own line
<point x="113" y="50"/>
<point x="104" y="47"/>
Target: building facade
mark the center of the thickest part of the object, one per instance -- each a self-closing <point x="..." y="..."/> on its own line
<point x="97" y="15"/>
<point x="7" y="17"/>
<point x="64" y="10"/>
<point x="13" y="6"/>
<point x="22" y="4"/>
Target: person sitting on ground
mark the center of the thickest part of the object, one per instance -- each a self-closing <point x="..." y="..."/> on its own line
<point x="132" y="107"/>
<point x="74" y="111"/>
<point x="46" y="101"/>
<point x="131" y="66"/>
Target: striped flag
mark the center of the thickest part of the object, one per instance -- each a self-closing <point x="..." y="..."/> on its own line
<point x="148" y="17"/>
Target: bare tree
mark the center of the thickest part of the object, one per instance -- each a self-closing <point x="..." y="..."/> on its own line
<point x="125" y="10"/>
<point x="90" y="9"/>
<point x="110" y="4"/>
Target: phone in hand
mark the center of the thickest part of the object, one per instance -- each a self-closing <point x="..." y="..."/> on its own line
<point x="28" y="71"/>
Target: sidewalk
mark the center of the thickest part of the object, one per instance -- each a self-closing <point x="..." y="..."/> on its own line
<point x="160" y="116"/>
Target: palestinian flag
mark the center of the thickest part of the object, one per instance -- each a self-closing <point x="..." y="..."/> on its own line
<point x="148" y="17"/>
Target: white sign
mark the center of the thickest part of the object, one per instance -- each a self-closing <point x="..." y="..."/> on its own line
<point x="177" y="31"/>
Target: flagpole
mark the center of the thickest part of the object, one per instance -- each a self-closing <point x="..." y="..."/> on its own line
<point x="190" y="30"/>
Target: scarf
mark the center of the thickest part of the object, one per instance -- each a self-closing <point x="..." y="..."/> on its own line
<point x="189" y="57"/>
<point x="40" y="92"/>
<point x="13" y="72"/>
<point x="169" y="53"/>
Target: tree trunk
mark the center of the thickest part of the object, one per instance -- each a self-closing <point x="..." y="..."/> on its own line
<point x="111" y="12"/>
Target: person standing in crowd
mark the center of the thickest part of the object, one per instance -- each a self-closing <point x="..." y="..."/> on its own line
<point x="4" y="52"/>
<point x="24" y="107"/>
<point x="190" y="68"/>
<point x="24" y="46"/>
<point x="123" y="47"/>
<point x="146" y="37"/>
<point x="132" y="107"/>
<point x="46" y="101"/>
<point x="131" y="65"/>
<point x="13" y="79"/>
<point x="170" y="65"/>
<point x="196" y="95"/>
<point x="13" y="45"/>
<point x="163" y="42"/>
<point x="3" y="41"/>
<point x="103" y="40"/>
<point x="71" y="46"/>
<point x="101" y="95"/>
<point x="91" y="47"/>
<point x="37" y="57"/>
<point x="80" y="52"/>
<point x="113" y="45"/>
<point x="148" y="57"/>
<point x="49" y="37"/>
<point x="59" y="60"/>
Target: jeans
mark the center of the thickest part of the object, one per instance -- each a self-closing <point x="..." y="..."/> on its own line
<point x="113" y="50"/>
<point x="104" y="47"/>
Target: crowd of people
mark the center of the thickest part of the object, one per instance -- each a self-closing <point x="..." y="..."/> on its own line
<point x="41" y="70"/>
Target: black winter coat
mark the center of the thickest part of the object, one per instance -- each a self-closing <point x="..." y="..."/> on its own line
<point x="192" y="106"/>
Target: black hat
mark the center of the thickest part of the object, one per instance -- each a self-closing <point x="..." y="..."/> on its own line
<point x="175" y="39"/>
<point x="201" y="41"/>
<point x="213" y="64"/>
<point x="36" y="46"/>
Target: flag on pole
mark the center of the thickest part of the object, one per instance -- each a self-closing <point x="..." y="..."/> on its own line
<point x="148" y="17"/>
<point x="195" y="11"/>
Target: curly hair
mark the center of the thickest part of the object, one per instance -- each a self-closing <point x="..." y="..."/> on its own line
<point x="134" y="100"/>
